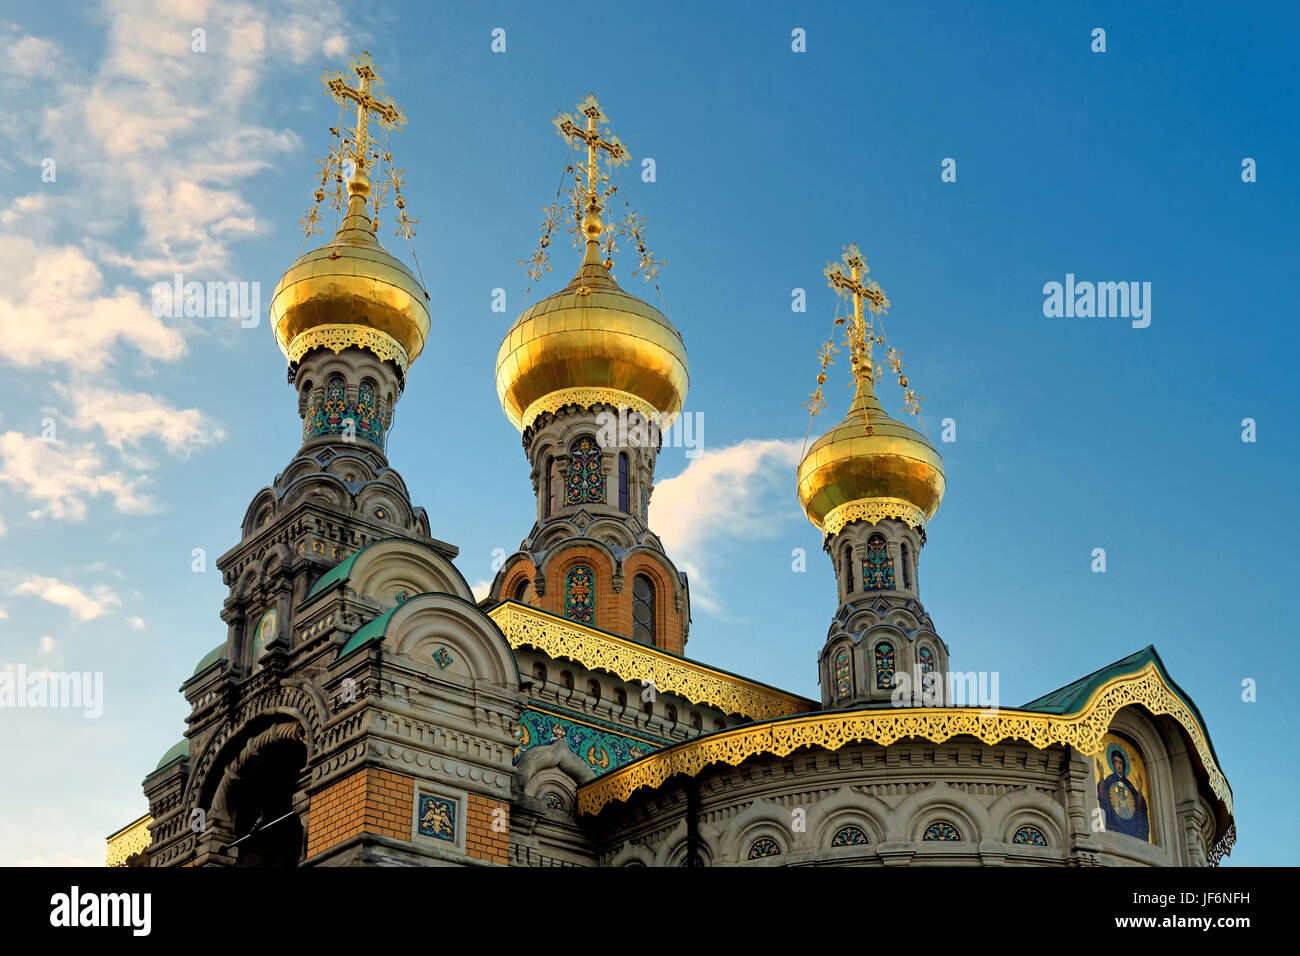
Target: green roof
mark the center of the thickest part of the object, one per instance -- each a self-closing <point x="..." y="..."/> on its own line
<point x="210" y="658"/>
<point x="179" y="751"/>
<point x="372" y="630"/>
<point x="343" y="570"/>
<point x="1071" y="698"/>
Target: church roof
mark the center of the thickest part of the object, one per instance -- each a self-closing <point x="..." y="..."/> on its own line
<point x="1071" y="698"/>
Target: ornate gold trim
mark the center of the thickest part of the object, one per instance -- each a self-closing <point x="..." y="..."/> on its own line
<point x="1082" y="731"/>
<point x="129" y="841"/>
<point x="338" y="337"/>
<point x="873" y="510"/>
<point x="636" y="662"/>
<point x="586" y="397"/>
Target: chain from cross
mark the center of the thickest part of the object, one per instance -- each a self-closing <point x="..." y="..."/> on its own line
<point x="847" y="278"/>
<point x="597" y="139"/>
<point x="367" y="98"/>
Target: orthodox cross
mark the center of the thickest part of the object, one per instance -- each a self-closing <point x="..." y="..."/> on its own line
<point x="387" y="112"/>
<point x="847" y="279"/>
<point x="596" y="138"/>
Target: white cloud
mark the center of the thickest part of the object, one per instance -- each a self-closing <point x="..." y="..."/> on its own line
<point x="128" y="418"/>
<point x="54" y="308"/>
<point x="29" y="56"/>
<point x="137" y="623"/>
<point x="84" y="605"/>
<point x="738" y="493"/>
<point x="480" y="589"/>
<point x="60" y="477"/>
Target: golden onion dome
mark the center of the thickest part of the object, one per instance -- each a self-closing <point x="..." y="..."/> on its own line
<point x="848" y="475"/>
<point x="351" y="292"/>
<point x="589" y="343"/>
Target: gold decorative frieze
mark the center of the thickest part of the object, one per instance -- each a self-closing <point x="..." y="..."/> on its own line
<point x="127" y="842"/>
<point x="873" y="511"/>
<point x="336" y="338"/>
<point x="586" y="397"/>
<point x="1083" y="731"/>
<point x="634" y="662"/>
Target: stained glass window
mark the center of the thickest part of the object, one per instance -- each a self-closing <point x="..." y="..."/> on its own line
<point x="927" y="660"/>
<point x="877" y="566"/>
<point x="843" y="674"/>
<point x="336" y="405"/>
<point x="885" y="666"/>
<point x="849" y="836"/>
<point x="764" y="847"/>
<point x="941" y="831"/>
<point x="586" y="483"/>
<point x="580" y="595"/>
<point x="622" y="482"/>
<point x="907" y="566"/>
<point x="643" y="610"/>
<point x="1031" y="836"/>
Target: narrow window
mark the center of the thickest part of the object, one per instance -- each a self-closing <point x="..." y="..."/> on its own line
<point x="877" y="566"/>
<point x="643" y="610"/>
<point x="580" y="595"/>
<point x="586" y="483"/>
<point x="622" y="482"/>
<point x="885" y="666"/>
<point x="848" y="569"/>
<point x="546" y="484"/>
<point x="907" y="568"/>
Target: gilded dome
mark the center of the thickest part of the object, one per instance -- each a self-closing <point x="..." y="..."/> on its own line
<point x="848" y="475"/>
<point x="591" y="342"/>
<point x="350" y="292"/>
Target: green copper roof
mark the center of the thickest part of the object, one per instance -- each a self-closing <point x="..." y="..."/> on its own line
<point x="1071" y="698"/>
<point x="343" y="570"/>
<point x="210" y="658"/>
<point x="372" y="630"/>
<point x="179" y="751"/>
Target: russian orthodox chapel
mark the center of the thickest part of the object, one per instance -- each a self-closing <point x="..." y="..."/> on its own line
<point x="364" y="709"/>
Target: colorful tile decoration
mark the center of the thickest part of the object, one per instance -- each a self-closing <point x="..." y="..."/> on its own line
<point x="580" y="595"/>
<point x="884" y="666"/>
<point x="331" y="415"/>
<point x="941" y="831"/>
<point x="442" y="657"/>
<point x="849" y="836"/>
<point x="877" y="566"/>
<point x="602" y="749"/>
<point x="586" y="481"/>
<point x="1030" y="835"/>
<point x="762" y="848"/>
<point x="437" y="818"/>
<point x="843" y="674"/>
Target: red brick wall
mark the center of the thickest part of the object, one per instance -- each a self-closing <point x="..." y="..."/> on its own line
<point x="368" y="801"/>
<point x="481" y="841"/>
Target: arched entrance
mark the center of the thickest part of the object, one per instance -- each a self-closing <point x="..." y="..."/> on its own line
<point x="256" y="796"/>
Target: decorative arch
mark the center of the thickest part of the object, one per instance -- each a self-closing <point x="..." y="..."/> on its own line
<point x="384" y="569"/>
<point x="848" y="808"/>
<point x="580" y="594"/>
<point x="463" y="643"/>
<point x="940" y="803"/>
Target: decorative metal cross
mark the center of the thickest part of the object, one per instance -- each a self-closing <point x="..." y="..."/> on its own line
<point x="850" y="282"/>
<point x="597" y="138"/>
<point x="367" y="98"/>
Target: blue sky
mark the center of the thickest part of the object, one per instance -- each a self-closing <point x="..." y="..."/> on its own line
<point x="1072" y="433"/>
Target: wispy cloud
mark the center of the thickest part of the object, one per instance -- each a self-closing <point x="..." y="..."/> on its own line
<point x="59" y="477"/>
<point x="128" y="418"/>
<point x="83" y="605"/>
<point x="740" y="493"/>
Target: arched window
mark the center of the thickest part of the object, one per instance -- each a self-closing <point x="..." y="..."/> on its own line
<point x="643" y="610"/>
<point x="622" y="482"/>
<point x="849" y="836"/>
<point x="367" y="423"/>
<point x="620" y="696"/>
<point x="586" y="483"/>
<point x="848" y="569"/>
<point x="546" y="486"/>
<point x="942" y="831"/>
<point x="885" y="666"/>
<point x="539" y="672"/>
<point x="907" y="566"/>
<point x="1031" y="836"/>
<point x="670" y="714"/>
<point x="521" y="591"/>
<point x="843" y="674"/>
<point x="334" y="409"/>
<point x="566" y="679"/>
<point x="593" y="689"/>
<point x="764" y="847"/>
<point x="877" y="566"/>
<point x="580" y="595"/>
<point x="927" y="660"/>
